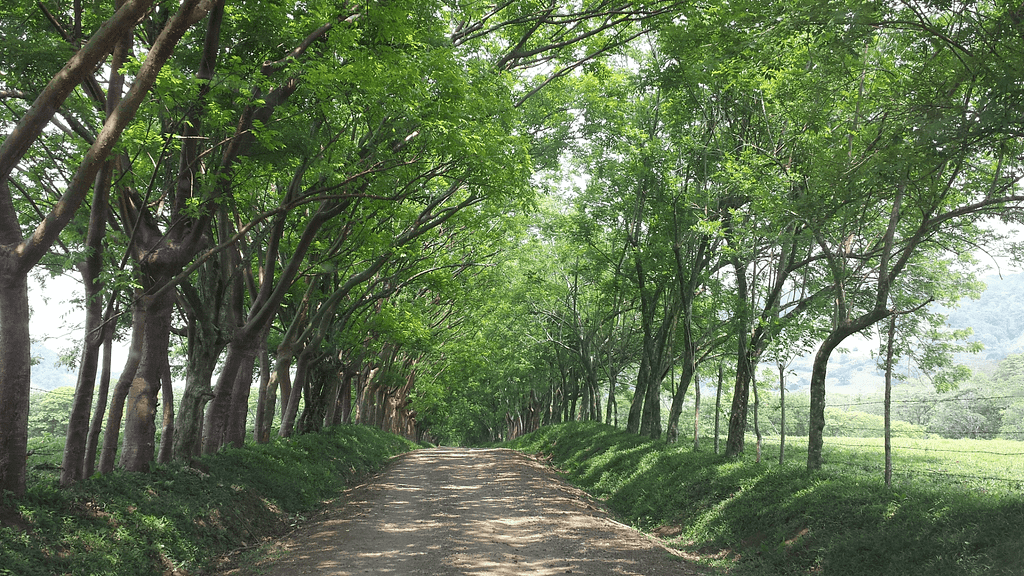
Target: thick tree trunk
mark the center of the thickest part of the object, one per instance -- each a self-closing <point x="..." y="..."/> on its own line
<point x="636" y="405"/>
<point x="242" y="387"/>
<point x="651" y="424"/>
<point x="816" y="418"/>
<point x="734" y="443"/>
<point x="15" y="379"/>
<point x="238" y="364"/>
<point x="331" y="398"/>
<point x="819" y="369"/>
<point x="202" y="362"/>
<point x="139" y="446"/>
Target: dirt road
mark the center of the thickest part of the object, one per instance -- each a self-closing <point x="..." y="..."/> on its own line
<point x="450" y="511"/>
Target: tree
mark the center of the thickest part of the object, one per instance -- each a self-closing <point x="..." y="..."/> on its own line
<point x="21" y="252"/>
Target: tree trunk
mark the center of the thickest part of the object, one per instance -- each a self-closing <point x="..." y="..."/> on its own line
<point x="757" y="422"/>
<point x="167" y="428"/>
<point x="239" y="408"/>
<point x="235" y="378"/>
<point x="291" y="410"/>
<point x="612" y="405"/>
<point x="73" y="465"/>
<point x="92" y="445"/>
<point x="696" y="412"/>
<point x="266" y="403"/>
<point x="139" y="446"/>
<point x="718" y="405"/>
<point x="15" y="379"/>
<point x="203" y="351"/>
<point x="819" y="369"/>
<point x="331" y="398"/>
<point x="816" y="418"/>
<point x="889" y="353"/>
<point x="345" y="399"/>
<point x="675" y="412"/>
<point x="782" y="405"/>
<point x="734" y="444"/>
<point x="124" y="384"/>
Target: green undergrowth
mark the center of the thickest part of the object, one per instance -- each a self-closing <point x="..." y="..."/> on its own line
<point x="177" y="519"/>
<point x="750" y="518"/>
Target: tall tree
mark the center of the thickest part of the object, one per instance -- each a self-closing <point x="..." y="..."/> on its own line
<point x="21" y="252"/>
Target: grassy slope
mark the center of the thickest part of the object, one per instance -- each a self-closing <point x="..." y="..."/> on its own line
<point x="178" y="518"/>
<point x="765" y="519"/>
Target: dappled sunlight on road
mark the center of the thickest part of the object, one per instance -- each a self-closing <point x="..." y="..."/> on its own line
<point x="475" y="512"/>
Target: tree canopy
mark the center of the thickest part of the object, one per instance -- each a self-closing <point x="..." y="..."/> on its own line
<point x="460" y="221"/>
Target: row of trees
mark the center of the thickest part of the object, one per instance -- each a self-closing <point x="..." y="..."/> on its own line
<point x="262" y="176"/>
<point x="341" y="199"/>
<point x="754" y="183"/>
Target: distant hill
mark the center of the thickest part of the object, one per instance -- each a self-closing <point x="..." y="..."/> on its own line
<point x="997" y="317"/>
<point x="46" y="374"/>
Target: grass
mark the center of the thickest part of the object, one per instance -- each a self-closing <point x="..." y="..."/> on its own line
<point x="764" y="519"/>
<point x="177" y="519"/>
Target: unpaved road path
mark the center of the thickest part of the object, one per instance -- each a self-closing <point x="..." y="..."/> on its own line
<point x="449" y="511"/>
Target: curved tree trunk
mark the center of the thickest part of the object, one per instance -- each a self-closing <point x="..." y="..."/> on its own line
<point x="92" y="444"/>
<point x="238" y="364"/>
<point x="124" y="384"/>
<point x="291" y="410"/>
<point x="73" y="464"/>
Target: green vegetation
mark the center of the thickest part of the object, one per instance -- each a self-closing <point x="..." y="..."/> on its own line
<point x="177" y="516"/>
<point x="762" y="518"/>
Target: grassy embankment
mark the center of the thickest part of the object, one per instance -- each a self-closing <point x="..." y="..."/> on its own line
<point x="175" y="518"/>
<point x="766" y="519"/>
